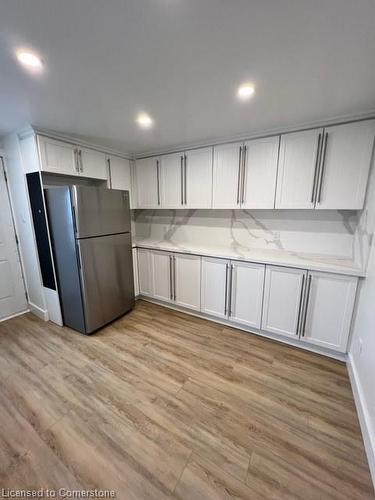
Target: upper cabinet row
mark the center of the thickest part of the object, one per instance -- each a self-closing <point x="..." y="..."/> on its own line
<point x="325" y="168"/>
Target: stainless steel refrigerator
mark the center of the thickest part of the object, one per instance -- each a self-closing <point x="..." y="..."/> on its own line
<point x="91" y="240"/>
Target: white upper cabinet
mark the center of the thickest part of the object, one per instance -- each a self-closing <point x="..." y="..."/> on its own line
<point x="187" y="281"/>
<point x="298" y="166"/>
<point x="92" y="164"/>
<point x="172" y="180"/>
<point x="120" y="175"/>
<point x="162" y="275"/>
<point x="227" y="176"/>
<point x="259" y="173"/>
<point x="214" y="287"/>
<point x="57" y="156"/>
<point x="282" y="300"/>
<point x="329" y="308"/>
<point x="247" y="282"/>
<point x="198" y="178"/>
<point x="345" y="165"/>
<point x="148" y="183"/>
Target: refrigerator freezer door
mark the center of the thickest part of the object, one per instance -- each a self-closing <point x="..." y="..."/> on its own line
<point x="100" y="211"/>
<point x="106" y="270"/>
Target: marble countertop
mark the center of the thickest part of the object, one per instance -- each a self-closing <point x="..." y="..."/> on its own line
<point x="313" y="262"/>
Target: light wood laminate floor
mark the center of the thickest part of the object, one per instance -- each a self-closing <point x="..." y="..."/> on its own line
<point x="164" y="405"/>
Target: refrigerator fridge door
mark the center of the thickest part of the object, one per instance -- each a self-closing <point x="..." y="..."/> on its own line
<point x="99" y="211"/>
<point x="106" y="278"/>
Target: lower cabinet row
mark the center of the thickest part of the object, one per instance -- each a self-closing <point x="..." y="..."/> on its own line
<point x="314" y="307"/>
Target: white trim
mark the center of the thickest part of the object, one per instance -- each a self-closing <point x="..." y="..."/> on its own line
<point x="363" y="415"/>
<point x="38" y="311"/>
<point x="338" y="120"/>
<point x="295" y="343"/>
<point x="14" y="315"/>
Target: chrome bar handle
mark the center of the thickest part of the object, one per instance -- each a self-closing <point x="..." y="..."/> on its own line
<point x="158" y="180"/>
<point x="109" y="172"/>
<point x="306" y="306"/>
<point x="230" y="290"/>
<point x="318" y="149"/>
<point x="324" y="151"/>
<point x="301" y="304"/>
<point x="170" y="278"/>
<point x="80" y="160"/>
<point x="239" y="176"/>
<point x="185" y="178"/>
<point x="76" y="160"/>
<point x="174" y="277"/>
<point x="226" y="289"/>
<point x="244" y="167"/>
<point x="182" y="179"/>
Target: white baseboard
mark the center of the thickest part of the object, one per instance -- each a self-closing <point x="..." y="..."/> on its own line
<point x="363" y="415"/>
<point x="14" y="315"/>
<point x="38" y="311"/>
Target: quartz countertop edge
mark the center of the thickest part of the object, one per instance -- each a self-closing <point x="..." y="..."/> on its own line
<point x="310" y="262"/>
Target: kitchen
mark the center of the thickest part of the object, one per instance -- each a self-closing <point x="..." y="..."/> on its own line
<point x="186" y="306"/>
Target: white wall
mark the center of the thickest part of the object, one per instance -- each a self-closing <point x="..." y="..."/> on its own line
<point x="362" y="359"/>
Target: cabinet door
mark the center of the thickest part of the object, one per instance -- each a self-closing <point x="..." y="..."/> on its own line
<point x="135" y="272"/>
<point x="162" y="275"/>
<point x="92" y="164"/>
<point x="172" y="171"/>
<point x="329" y="309"/>
<point x="297" y="166"/>
<point x="260" y="172"/>
<point x="57" y="157"/>
<point x="147" y="172"/>
<point x="145" y="274"/>
<point x="226" y="176"/>
<point x="120" y="175"/>
<point x="198" y="178"/>
<point x="282" y="299"/>
<point x="214" y="287"/>
<point x="247" y="282"/>
<point x="346" y="164"/>
<point x="187" y="281"/>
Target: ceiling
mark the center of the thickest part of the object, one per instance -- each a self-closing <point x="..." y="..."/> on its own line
<point x="182" y="61"/>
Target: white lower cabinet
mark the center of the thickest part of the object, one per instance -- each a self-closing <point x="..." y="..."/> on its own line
<point x="328" y="310"/>
<point x="135" y="272"/>
<point x="283" y="288"/>
<point x="214" y="288"/>
<point x="162" y="275"/>
<point x="187" y="281"/>
<point x="246" y="294"/>
<point x="145" y="273"/>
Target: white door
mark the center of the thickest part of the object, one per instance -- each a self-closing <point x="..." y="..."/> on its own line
<point x="226" y="176"/>
<point x="172" y="171"/>
<point x="92" y="164"/>
<point x="282" y="299"/>
<point x="135" y="272"/>
<point x="247" y="282"/>
<point x="214" y="287"/>
<point x="260" y="173"/>
<point x="297" y="167"/>
<point x="148" y="182"/>
<point x="329" y="309"/>
<point x="162" y="275"/>
<point x="346" y="163"/>
<point x="187" y="281"/>
<point x="198" y="178"/>
<point x="57" y="156"/>
<point x="120" y="175"/>
<point x="145" y="273"/>
<point x="12" y="290"/>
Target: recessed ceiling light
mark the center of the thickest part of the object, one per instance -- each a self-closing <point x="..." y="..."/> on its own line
<point x="245" y="91"/>
<point x="144" y="120"/>
<point x="29" y="59"/>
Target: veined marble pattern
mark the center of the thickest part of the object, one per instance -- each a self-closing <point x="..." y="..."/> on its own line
<point x="338" y="235"/>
